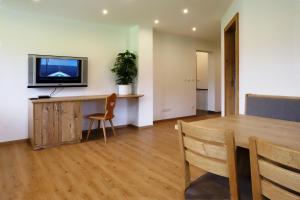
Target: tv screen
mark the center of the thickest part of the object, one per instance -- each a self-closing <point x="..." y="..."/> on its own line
<point x="57" y="71"/>
<point x="53" y="70"/>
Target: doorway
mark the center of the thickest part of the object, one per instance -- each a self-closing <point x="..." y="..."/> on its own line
<point x="202" y="83"/>
<point x="231" y="54"/>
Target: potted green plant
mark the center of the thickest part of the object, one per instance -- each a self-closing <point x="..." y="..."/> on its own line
<point x="125" y="70"/>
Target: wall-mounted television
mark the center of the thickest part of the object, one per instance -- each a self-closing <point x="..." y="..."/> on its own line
<point x="57" y="71"/>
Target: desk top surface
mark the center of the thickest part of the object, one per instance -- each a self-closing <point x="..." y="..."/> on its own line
<point x="280" y="132"/>
<point x="83" y="98"/>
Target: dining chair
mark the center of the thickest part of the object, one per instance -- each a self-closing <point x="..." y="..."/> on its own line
<point x="212" y="150"/>
<point x="110" y="104"/>
<point x="275" y="171"/>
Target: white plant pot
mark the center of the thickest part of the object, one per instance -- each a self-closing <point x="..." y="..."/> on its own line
<point x="125" y="89"/>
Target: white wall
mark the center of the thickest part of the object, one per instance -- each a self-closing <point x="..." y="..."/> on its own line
<point x="22" y="34"/>
<point x="145" y="77"/>
<point x="269" y="47"/>
<point x="175" y="74"/>
<point x="217" y="78"/>
<point x="141" y="41"/>
<point x="202" y="70"/>
<point x="202" y="80"/>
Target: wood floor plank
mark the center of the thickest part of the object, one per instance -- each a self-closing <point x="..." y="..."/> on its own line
<point x="136" y="164"/>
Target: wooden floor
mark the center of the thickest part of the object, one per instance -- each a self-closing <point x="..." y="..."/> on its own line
<point x="137" y="164"/>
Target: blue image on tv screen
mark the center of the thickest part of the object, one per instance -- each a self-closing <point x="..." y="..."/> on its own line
<point x="59" y="68"/>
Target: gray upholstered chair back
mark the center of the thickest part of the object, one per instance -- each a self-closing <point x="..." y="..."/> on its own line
<point x="276" y="107"/>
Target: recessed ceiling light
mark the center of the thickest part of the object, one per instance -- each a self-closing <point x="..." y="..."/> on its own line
<point x="185" y="11"/>
<point x="194" y="29"/>
<point x="104" y="12"/>
<point x="156" y="21"/>
<point x="36" y="1"/>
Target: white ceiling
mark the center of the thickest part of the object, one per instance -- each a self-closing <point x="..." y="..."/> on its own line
<point x="203" y="14"/>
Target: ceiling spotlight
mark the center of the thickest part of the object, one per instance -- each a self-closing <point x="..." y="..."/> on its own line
<point x="156" y="21"/>
<point x="185" y="11"/>
<point x="194" y="29"/>
<point x="104" y="12"/>
<point x="36" y="1"/>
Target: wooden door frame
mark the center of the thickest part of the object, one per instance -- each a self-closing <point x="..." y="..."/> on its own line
<point x="234" y="20"/>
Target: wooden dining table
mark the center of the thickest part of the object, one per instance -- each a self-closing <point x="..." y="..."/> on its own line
<point x="280" y="132"/>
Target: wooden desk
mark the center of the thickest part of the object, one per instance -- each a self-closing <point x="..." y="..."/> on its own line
<point x="285" y="133"/>
<point x="84" y="98"/>
<point x="58" y="120"/>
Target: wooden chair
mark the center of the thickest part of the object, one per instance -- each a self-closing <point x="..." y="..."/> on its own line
<point x="275" y="171"/>
<point x="102" y="117"/>
<point x="213" y="151"/>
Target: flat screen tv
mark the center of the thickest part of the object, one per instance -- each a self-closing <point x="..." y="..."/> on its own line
<point x="57" y="71"/>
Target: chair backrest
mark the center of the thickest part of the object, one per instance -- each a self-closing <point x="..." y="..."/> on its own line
<point x="275" y="171"/>
<point x="276" y="107"/>
<point x="212" y="150"/>
<point x="110" y="105"/>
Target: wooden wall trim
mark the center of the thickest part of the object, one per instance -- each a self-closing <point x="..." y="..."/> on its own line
<point x="140" y="127"/>
<point x="14" y="142"/>
<point x="201" y="89"/>
<point x="175" y="118"/>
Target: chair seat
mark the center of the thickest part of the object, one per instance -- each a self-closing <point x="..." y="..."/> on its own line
<point x="97" y="116"/>
<point x="214" y="187"/>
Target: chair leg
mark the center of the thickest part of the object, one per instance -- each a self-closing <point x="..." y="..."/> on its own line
<point x="90" y="128"/>
<point x="112" y="127"/>
<point x="99" y="126"/>
<point x="104" y="131"/>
